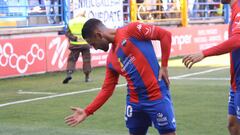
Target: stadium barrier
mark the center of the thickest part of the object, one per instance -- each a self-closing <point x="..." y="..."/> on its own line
<point x="26" y="56"/>
<point x="31" y="50"/>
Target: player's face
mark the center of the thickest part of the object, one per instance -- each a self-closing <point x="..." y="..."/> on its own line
<point x="225" y="1"/>
<point x="98" y="43"/>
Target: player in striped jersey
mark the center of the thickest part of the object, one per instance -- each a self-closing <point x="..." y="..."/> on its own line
<point x="132" y="56"/>
<point x="232" y="46"/>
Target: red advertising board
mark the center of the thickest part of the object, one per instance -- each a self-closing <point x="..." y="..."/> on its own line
<point x="195" y="38"/>
<point x="57" y="53"/>
<point x="22" y="56"/>
<point x="98" y="57"/>
<point x="25" y="56"/>
<point x="57" y="50"/>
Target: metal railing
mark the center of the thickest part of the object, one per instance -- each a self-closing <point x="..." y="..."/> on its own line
<point x="21" y="14"/>
<point x="181" y="12"/>
<point x="206" y="12"/>
<point x="158" y="14"/>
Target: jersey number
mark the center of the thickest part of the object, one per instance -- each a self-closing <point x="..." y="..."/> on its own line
<point x="129" y="111"/>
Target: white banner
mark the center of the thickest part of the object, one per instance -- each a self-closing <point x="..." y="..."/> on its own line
<point x="110" y="12"/>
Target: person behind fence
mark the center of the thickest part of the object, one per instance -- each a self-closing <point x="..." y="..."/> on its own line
<point x="232" y="46"/>
<point x="214" y="8"/>
<point x="201" y="7"/>
<point x="77" y="45"/>
<point x="132" y="55"/>
<point x="51" y="7"/>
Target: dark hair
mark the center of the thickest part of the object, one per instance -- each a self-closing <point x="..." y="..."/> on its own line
<point x="89" y="27"/>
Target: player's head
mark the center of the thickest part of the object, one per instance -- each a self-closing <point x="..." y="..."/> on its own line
<point x="93" y="32"/>
<point x="225" y="1"/>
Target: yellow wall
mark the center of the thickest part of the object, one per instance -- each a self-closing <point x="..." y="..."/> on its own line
<point x="8" y="23"/>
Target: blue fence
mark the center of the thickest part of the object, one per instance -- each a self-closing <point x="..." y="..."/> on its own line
<point x="30" y="13"/>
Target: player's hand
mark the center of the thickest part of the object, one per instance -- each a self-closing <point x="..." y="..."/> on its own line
<point x="77" y="117"/>
<point x="191" y="59"/>
<point x="163" y="74"/>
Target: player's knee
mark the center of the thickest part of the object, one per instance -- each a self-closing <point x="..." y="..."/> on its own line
<point x="138" y="131"/>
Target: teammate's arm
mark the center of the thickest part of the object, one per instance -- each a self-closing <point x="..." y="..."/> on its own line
<point x="108" y="87"/>
<point x="150" y="32"/>
<point x="225" y="47"/>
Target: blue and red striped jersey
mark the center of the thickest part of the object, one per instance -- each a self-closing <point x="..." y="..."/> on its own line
<point x="132" y="56"/>
<point x="234" y="29"/>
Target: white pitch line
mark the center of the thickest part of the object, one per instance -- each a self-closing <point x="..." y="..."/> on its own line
<point x="54" y="96"/>
<point x="96" y="89"/>
<point x="201" y="78"/>
<point x="197" y="73"/>
<point x="35" y="93"/>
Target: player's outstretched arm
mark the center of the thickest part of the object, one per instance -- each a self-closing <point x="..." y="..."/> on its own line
<point x="78" y="116"/>
<point x="191" y="59"/>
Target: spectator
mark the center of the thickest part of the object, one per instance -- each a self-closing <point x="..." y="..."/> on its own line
<point x="201" y="6"/>
<point x="52" y="10"/>
<point x="34" y="6"/>
<point x="191" y="8"/>
<point x="159" y="8"/>
<point x="171" y="6"/>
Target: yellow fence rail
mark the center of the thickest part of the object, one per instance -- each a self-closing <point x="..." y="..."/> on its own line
<point x="158" y="13"/>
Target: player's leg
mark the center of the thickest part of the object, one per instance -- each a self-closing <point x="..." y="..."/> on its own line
<point x="137" y="122"/>
<point x="138" y="131"/>
<point x="162" y="115"/>
<point x="237" y="104"/>
<point x="233" y="125"/>
<point x="86" y="57"/>
<point x="163" y="119"/>
<point x="71" y="64"/>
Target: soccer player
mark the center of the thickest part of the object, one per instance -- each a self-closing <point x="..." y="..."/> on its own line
<point x="132" y="56"/>
<point x="231" y="45"/>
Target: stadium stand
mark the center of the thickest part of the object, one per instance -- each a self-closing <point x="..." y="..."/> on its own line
<point x="31" y="13"/>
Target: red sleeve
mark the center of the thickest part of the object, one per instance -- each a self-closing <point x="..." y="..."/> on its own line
<point x="108" y="87"/>
<point x="225" y="47"/>
<point x="150" y="32"/>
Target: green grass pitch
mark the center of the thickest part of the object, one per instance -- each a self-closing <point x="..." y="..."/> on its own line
<point x="200" y="104"/>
